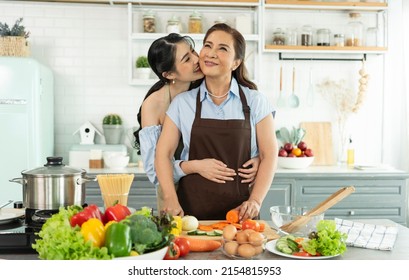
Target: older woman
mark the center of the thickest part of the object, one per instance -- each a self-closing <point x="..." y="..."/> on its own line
<point x="224" y="118"/>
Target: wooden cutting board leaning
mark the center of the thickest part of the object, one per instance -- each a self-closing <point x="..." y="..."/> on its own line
<point x="268" y="231"/>
<point x="318" y="137"/>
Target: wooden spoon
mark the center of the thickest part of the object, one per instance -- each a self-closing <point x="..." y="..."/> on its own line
<point x="301" y="221"/>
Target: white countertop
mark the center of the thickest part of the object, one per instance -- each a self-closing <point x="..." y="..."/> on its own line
<point x="333" y="169"/>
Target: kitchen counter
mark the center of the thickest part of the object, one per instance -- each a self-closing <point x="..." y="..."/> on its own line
<point x="369" y="171"/>
<point x="400" y="251"/>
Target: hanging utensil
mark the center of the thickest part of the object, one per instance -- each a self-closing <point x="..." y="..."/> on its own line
<point x="5" y="204"/>
<point x="293" y="101"/>
<point x="281" y="100"/>
<point x="317" y="210"/>
<point x="310" y="91"/>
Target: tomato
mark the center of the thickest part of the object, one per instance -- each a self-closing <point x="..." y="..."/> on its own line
<point x="250" y="224"/>
<point x="184" y="245"/>
<point x="173" y="252"/>
<point x="302" y="254"/>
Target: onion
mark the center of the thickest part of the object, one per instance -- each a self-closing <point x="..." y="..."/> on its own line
<point x="189" y="223"/>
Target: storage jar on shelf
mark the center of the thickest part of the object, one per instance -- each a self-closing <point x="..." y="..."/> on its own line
<point x="306" y="35"/>
<point x="355" y="30"/>
<point x="195" y="22"/>
<point x="323" y="37"/>
<point x="339" y="40"/>
<point x="174" y="25"/>
<point x="149" y="25"/>
<point x="279" y="37"/>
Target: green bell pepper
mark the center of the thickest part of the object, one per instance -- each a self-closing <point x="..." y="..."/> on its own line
<point x="118" y="240"/>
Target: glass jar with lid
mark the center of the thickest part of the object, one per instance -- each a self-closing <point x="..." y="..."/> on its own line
<point x="149" y="25"/>
<point x="279" y="37"/>
<point x="355" y="30"/>
<point x="195" y="22"/>
<point x="173" y="25"/>
<point x="339" y="40"/>
<point x="323" y="37"/>
<point x="306" y="35"/>
<point x="372" y="37"/>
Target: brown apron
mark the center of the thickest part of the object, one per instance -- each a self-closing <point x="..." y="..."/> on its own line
<point x="228" y="141"/>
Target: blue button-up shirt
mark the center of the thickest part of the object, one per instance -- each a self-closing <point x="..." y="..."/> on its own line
<point x="183" y="108"/>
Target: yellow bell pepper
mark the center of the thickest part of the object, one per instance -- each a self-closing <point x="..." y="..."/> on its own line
<point x="93" y="230"/>
<point x="177" y="229"/>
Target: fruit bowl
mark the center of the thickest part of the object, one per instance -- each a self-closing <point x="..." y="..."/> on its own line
<point x="295" y="162"/>
<point x="283" y="214"/>
<point x="244" y="247"/>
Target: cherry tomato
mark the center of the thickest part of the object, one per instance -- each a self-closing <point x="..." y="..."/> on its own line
<point x="173" y="252"/>
<point x="302" y="254"/>
<point x="250" y="224"/>
<point x="184" y="245"/>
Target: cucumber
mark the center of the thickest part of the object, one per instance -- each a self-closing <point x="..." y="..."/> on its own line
<point x="287" y="251"/>
<point x="293" y="245"/>
<point x="192" y="232"/>
<point x="201" y="232"/>
<point x="218" y="232"/>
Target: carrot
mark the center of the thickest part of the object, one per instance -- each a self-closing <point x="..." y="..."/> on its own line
<point x="219" y="225"/>
<point x="205" y="228"/>
<point x="232" y="216"/>
<point x="203" y="245"/>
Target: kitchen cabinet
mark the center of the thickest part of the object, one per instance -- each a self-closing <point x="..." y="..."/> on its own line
<point x="210" y="10"/>
<point x="379" y="193"/>
<point x="335" y="15"/>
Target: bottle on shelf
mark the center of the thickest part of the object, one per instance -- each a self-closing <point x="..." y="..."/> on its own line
<point x="372" y="37"/>
<point x="350" y="153"/>
<point x="355" y="31"/>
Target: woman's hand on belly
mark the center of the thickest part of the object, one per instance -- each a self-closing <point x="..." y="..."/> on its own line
<point x="213" y="170"/>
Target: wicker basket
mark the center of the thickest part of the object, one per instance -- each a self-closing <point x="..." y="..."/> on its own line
<point x="14" y="46"/>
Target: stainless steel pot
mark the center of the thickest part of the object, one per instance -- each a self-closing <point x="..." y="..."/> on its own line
<point x="53" y="185"/>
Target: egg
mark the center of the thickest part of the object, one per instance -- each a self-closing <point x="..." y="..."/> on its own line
<point x="256" y="238"/>
<point x="246" y="251"/>
<point x="229" y="232"/>
<point x="231" y="247"/>
<point x="241" y="237"/>
<point x="259" y="250"/>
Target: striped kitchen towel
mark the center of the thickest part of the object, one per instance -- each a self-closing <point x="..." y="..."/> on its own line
<point x="368" y="236"/>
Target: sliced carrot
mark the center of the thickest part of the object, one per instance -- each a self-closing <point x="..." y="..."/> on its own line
<point x="232" y="216"/>
<point x="219" y="225"/>
<point x="205" y="228"/>
<point x="203" y="245"/>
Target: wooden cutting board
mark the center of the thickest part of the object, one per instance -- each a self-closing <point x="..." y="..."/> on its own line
<point x="268" y="231"/>
<point x="318" y="137"/>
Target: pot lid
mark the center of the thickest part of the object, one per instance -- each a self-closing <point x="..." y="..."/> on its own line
<point x="54" y="166"/>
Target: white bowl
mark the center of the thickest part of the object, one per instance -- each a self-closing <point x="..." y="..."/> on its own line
<point x="295" y="162"/>
<point x="155" y="255"/>
<point x="283" y="214"/>
<point x="116" y="160"/>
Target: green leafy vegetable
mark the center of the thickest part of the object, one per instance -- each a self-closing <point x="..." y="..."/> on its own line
<point x="326" y="240"/>
<point x="58" y="240"/>
<point x="149" y="232"/>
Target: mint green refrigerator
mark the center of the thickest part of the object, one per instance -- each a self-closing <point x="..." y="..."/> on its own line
<point x="26" y="121"/>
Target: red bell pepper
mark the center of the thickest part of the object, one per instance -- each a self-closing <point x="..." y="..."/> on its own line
<point x="91" y="211"/>
<point x="117" y="213"/>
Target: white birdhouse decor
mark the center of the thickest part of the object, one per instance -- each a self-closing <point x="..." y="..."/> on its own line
<point x="87" y="133"/>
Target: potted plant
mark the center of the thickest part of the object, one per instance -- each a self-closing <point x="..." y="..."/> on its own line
<point x="143" y="70"/>
<point x="112" y="125"/>
<point x="13" y="41"/>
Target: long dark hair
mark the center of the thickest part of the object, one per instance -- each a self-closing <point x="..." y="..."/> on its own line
<point x="161" y="58"/>
<point x="240" y="73"/>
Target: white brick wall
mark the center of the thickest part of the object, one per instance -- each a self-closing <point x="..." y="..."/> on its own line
<point x="86" y="47"/>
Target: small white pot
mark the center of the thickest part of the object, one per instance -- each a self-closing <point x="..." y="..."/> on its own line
<point x="143" y="73"/>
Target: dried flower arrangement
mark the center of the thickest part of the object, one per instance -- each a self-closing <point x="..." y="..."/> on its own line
<point x="345" y="101"/>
